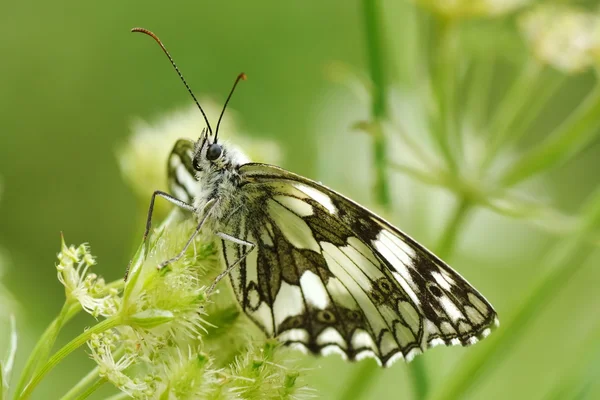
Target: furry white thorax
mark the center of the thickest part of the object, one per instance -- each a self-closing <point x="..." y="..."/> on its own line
<point x="218" y="179"/>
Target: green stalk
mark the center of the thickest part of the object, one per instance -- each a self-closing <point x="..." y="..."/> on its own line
<point x="99" y="382"/>
<point x="562" y="262"/>
<point x="478" y="94"/>
<point x="512" y="105"/>
<point x="448" y="240"/>
<point x="377" y="72"/>
<point x="83" y="383"/>
<point x="568" y="139"/>
<point x="446" y="131"/>
<point x="119" y="396"/>
<point x="42" y="348"/>
<point x="66" y="350"/>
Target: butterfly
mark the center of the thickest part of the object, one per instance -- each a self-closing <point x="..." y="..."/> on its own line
<point x="312" y="267"/>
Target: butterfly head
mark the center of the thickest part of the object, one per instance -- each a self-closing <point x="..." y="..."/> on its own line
<point x="209" y="154"/>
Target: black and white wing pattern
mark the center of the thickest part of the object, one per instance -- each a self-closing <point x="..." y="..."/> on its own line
<point x="329" y="276"/>
<point x="180" y="172"/>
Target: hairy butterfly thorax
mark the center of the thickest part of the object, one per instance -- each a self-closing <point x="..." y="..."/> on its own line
<point x="312" y="267"/>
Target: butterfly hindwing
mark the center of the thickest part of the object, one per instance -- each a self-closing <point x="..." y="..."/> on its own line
<point x="331" y="276"/>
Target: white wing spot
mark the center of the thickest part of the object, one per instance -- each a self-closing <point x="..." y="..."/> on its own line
<point x="288" y="302"/>
<point x="441" y="280"/>
<point x="394" y="358"/>
<point x="436" y="342"/>
<point x="333" y="349"/>
<point x="450" y="308"/>
<point x="412" y="354"/>
<point x="362" y="339"/>
<point x="317" y="196"/>
<point x="298" y="206"/>
<point x="368" y="354"/>
<point x="407" y="288"/>
<point x="263" y="314"/>
<point x="253" y="298"/>
<point x="294" y="335"/>
<point x="295" y="229"/>
<point x="186" y="179"/>
<point x="331" y="335"/>
<point x="314" y="290"/>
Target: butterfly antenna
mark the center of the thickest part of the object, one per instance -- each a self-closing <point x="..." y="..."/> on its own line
<point x="162" y="46"/>
<point x="241" y="76"/>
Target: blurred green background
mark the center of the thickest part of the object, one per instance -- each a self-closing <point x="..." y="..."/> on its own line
<point x="73" y="79"/>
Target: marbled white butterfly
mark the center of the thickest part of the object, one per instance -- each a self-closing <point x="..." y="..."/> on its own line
<point x="313" y="268"/>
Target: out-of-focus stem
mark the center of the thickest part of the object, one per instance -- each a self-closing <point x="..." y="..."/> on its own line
<point x="374" y="37"/>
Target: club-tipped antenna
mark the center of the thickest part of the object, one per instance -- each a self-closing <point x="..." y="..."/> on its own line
<point x="242" y="77"/>
<point x="162" y="46"/>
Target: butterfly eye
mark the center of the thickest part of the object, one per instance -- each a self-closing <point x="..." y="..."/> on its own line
<point x="214" y="152"/>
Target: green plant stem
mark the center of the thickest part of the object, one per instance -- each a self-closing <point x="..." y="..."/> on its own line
<point x="378" y="76"/>
<point x="83" y="383"/>
<point x="68" y="349"/>
<point x="95" y="386"/>
<point x="512" y="105"/>
<point x="569" y="138"/>
<point x="562" y="262"/>
<point x="446" y="132"/>
<point x="118" y="396"/>
<point x="42" y="349"/>
<point x="448" y="239"/>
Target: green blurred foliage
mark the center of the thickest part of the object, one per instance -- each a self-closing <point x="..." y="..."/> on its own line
<point x="72" y="78"/>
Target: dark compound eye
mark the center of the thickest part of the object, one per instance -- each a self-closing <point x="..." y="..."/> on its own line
<point x="214" y="152"/>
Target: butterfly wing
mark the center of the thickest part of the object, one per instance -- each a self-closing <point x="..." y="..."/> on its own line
<point x="181" y="174"/>
<point x="328" y="275"/>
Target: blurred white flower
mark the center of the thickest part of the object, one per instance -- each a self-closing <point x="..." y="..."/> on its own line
<point x="112" y="365"/>
<point x="472" y="8"/>
<point x="565" y="37"/>
<point x="143" y="160"/>
<point x="87" y="288"/>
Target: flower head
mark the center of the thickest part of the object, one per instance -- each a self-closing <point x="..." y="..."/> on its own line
<point x="564" y="37"/>
<point x="87" y="288"/>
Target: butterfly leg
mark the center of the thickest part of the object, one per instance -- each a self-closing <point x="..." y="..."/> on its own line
<point x="205" y="214"/>
<point x="167" y="197"/>
<point x="249" y="247"/>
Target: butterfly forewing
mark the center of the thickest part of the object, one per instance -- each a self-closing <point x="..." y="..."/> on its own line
<point x="182" y="182"/>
